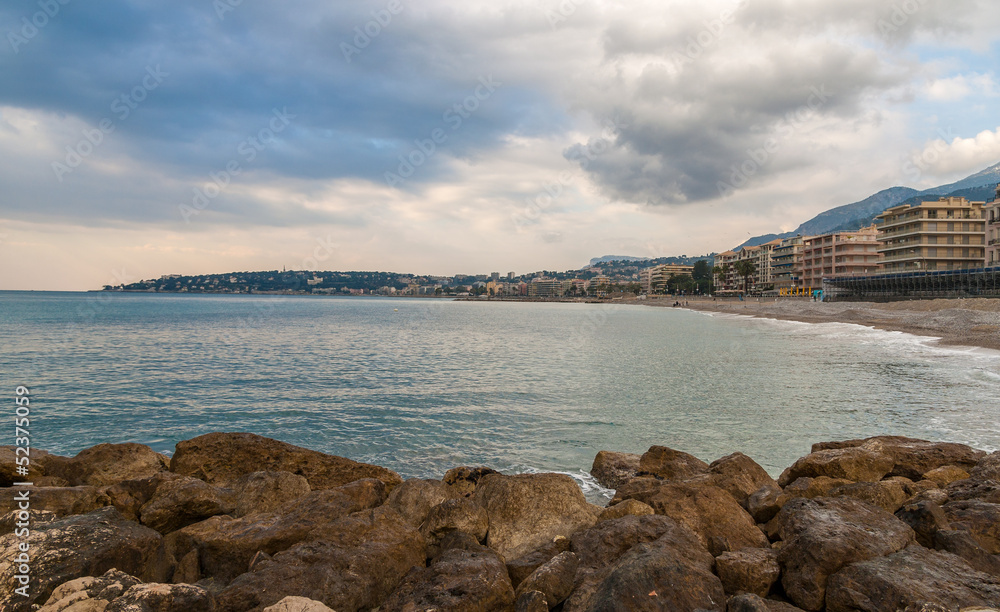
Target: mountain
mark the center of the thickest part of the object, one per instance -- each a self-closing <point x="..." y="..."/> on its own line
<point x="979" y="186"/>
<point x="607" y="258"/>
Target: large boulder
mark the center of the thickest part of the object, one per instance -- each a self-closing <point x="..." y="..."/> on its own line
<point x="464" y="479"/>
<point x="612" y="470"/>
<point x="414" y="498"/>
<point x="298" y="604"/>
<point x="669" y="464"/>
<point x="554" y="579"/>
<point x="219" y="458"/>
<point x="983" y="490"/>
<point x="61" y="501"/>
<point x="107" y="464"/>
<point x="749" y="602"/>
<point x="914" y="577"/>
<point x="823" y="535"/>
<point x="355" y="566"/>
<point x="926" y="518"/>
<point x="129" y="496"/>
<point x="720" y="522"/>
<point x="961" y="543"/>
<point x="153" y="597"/>
<point x="37" y="462"/>
<point x="182" y="501"/>
<point x="222" y="547"/>
<point x="980" y="519"/>
<point x="628" y="507"/>
<point x="527" y="510"/>
<point x="751" y="570"/>
<point x="452" y="515"/>
<point x="945" y="475"/>
<point x="886" y="494"/>
<point x="520" y="568"/>
<point x="94" y="592"/>
<point x="867" y="463"/>
<point x="987" y="468"/>
<point x="267" y="491"/>
<point x="456" y="581"/>
<point x="739" y="475"/>
<point x="75" y="546"/>
<point x="911" y="457"/>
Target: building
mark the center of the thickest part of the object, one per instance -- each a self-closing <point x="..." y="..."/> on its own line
<point x="839" y="254"/>
<point x="949" y="234"/>
<point x="655" y="278"/>
<point x="992" y="215"/>
<point x="786" y="266"/>
<point x="545" y="288"/>
<point x="726" y="280"/>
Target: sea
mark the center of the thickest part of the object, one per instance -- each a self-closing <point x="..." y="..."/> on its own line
<point x="424" y="385"/>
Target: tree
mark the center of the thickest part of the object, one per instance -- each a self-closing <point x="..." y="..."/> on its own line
<point x="700" y="270"/>
<point x="746" y="269"/>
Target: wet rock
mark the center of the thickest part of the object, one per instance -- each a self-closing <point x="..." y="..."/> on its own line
<point x="926" y="518"/>
<point x="220" y="458"/>
<point x="267" y="491"/>
<point x="823" y="535"/>
<point x="751" y="570"/>
<point x="183" y="501"/>
<point x="629" y="507"/>
<point x="224" y="546"/>
<point x="456" y="581"/>
<point x="857" y="464"/>
<point x="740" y="476"/>
<point x="107" y="464"/>
<point x="297" y="604"/>
<point x="61" y="501"/>
<point x="414" y="498"/>
<point x="531" y="601"/>
<point x="464" y="479"/>
<point x="89" y="592"/>
<point x="945" y="475"/>
<point x="961" y="543"/>
<point x="888" y="495"/>
<point x="75" y="546"/>
<point x="720" y="522"/>
<point x="460" y="514"/>
<point x="520" y="568"/>
<point x="912" y="457"/>
<point x="913" y="577"/>
<point x="980" y="519"/>
<point x="669" y="464"/>
<point x="358" y="563"/>
<point x="983" y="490"/>
<point x="763" y="503"/>
<point x="987" y="468"/>
<point x="554" y="579"/>
<point x="612" y="470"/>
<point x="527" y="510"/>
<point x="153" y="597"/>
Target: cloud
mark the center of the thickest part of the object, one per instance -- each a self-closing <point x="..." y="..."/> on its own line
<point x="940" y="158"/>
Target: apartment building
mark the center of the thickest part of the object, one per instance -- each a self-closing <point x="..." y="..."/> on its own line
<point x="726" y="281"/>
<point x="992" y="215"/>
<point x="949" y="234"/>
<point x="656" y="277"/>
<point x="838" y="254"/>
<point x="786" y="265"/>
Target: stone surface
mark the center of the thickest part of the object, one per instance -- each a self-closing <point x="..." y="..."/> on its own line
<point x="912" y="577"/>
<point x="888" y="495"/>
<point x="8" y="465"/>
<point x="520" y="568"/>
<point x="857" y="464"/>
<point x="912" y="457"/>
<point x="764" y="503"/>
<point x="809" y="487"/>
<point x="527" y="510"/>
<point x="669" y="464"/>
<point x="107" y="464"/>
<point x="298" y="604"/>
<point x="414" y="498"/>
<point x="9" y="522"/>
<point x="554" y="579"/>
<point x="962" y="543"/>
<point x="629" y="507"/>
<point x="464" y="479"/>
<point x="267" y="491"/>
<point x="740" y="476"/>
<point x="823" y="535"/>
<point x="224" y="546"/>
<point x="219" y="458"/>
<point x="182" y="501"/>
<point x="129" y="496"/>
<point x="751" y="570"/>
<point x="460" y="514"/>
<point x="357" y="564"/>
<point x="531" y="601"/>
<point x="89" y="592"/>
<point x="61" y="501"/>
<point x="983" y="490"/>
<point x="987" y="468"/>
<point x="925" y="518"/>
<point x="945" y="475"/>
<point x="612" y="469"/>
<point x="748" y="602"/>
<point x="980" y="519"/>
<point x="153" y="597"/>
<point x="75" y="546"/>
<point x="457" y="581"/>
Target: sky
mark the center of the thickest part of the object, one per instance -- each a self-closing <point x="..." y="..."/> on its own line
<point x="143" y="138"/>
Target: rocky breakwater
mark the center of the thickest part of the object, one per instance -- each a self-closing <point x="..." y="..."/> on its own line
<point x="237" y="522"/>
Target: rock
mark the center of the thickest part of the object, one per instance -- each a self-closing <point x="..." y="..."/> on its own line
<point x="925" y="518"/>
<point x="612" y="470"/>
<point x="267" y="491"/>
<point x="912" y="457"/>
<point x="961" y="543"/>
<point x="913" y="577"/>
<point x="183" y="501"/>
<point x="527" y="510"/>
<point x="748" y="602"/>
<point x="455" y="539"/>
<point x="75" y="546"/>
<point x="522" y="567"/>
<point x="456" y="581"/>
<point x="464" y="479"/>
<point x="763" y="503"/>
<point x="414" y="498"/>
<point x="61" y="501"/>
<point x="987" y="468"/>
<point x="983" y="490"/>
<point x="751" y="570"/>
<point x="89" y="592"/>
<point x="219" y="458"/>
<point x="945" y="475"/>
<point x="129" y="496"/>
<point x="460" y="514"/>
<point x="9" y="522"/>
<point x="669" y="464"/>
<point x="224" y="546"/>
<point x="8" y="465"/>
<point x="297" y="604"/>
<point x="361" y="559"/>
<point x="740" y="476"/>
<point x="823" y="535"/>
<point x="671" y="573"/>
<point x="980" y="519"/>
<point x="810" y="488"/>
<point x="857" y="464"/>
<point x="629" y="507"/>
<point x="886" y="494"/>
<point x="936" y="496"/>
<point x="637" y="488"/>
<point x="153" y="597"/>
<point x="107" y="464"/>
<point x="713" y="514"/>
<point x="531" y="601"/>
<point x="554" y="579"/>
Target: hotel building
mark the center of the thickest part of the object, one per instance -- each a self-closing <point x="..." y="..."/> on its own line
<point x="949" y="234"/>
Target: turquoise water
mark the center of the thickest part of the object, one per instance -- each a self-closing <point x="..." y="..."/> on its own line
<point x="420" y="386"/>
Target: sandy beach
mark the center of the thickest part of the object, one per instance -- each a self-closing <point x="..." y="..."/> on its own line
<point x="966" y="322"/>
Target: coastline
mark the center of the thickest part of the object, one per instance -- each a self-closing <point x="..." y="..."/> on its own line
<point x="971" y="322"/>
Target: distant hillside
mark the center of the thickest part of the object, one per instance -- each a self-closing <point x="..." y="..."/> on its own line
<point x="607" y="258"/>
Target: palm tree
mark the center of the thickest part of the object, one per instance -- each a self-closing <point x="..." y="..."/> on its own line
<point x="716" y="272"/>
<point x="746" y="269"/>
